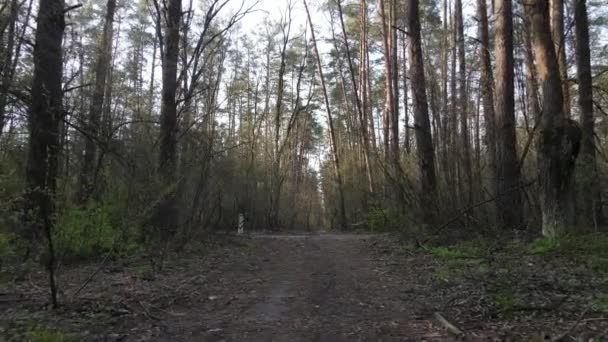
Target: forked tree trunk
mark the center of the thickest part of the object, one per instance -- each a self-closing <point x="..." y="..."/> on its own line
<point x="559" y="138"/>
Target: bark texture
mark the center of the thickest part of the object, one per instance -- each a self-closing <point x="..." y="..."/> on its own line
<point x="509" y="204"/>
<point x="592" y="199"/>
<point x="424" y="139"/>
<point x="559" y="138"/>
<point x="45" y="117"/>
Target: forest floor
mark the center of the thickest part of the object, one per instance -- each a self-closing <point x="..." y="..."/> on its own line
<point x="321" y="287"/>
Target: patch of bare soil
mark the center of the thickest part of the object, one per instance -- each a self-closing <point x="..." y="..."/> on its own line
<point x="279" y="288"/>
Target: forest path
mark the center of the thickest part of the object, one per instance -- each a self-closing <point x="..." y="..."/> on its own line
<point x="327" y="287"/>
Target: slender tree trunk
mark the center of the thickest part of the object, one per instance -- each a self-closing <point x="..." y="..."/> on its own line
<point x="463" y="106"/>
<point x="558" y="36"/>
<point x="508" y="172"/>
<point x="394" y="124"/>
<point x="360" y="104"/>
<point x="334" y="147"/>
<point x="389" y="102"/>
<point x="276" y="179"/>
<point x="424" y="139"/>
<point x="487" y="93"/>
<point x="6" y="54"/>
<point x="404" y="73"/>
<point x="45" y="117"/>
<point x="152" y="80"/>
<point x="102" y="65"/>
<point x="592" y="199"/>
<point x="558" y="137"/>
<point x="531" y="77"/>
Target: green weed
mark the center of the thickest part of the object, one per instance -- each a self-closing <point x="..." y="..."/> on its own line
<point x="543" y="246"/>
<point x="506" y="302"/>
<point x="85" y="232"/>
<point x="44" y="335"/>
<point x="456" y="252"/>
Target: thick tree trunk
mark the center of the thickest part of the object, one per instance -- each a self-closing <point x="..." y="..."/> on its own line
<point x="45" y="117"/>
<point x="592" y="199"/>
<point x="424" y="139"/>
<point x="102" y="65"/>
<point x="334" y="148"/>
<point x="508" y="172"/>
<point x="559" y="138"/>
<point x="167" y="163"/>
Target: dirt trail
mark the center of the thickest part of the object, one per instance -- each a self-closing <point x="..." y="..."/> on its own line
<point x="303" y="288"/>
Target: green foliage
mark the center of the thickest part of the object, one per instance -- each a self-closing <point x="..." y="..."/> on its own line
<point x="600" y="304"/>
<point x="5" y="244"/>
<point x="506" y="302"/>
<point x="590" y="244"/>
<point x="45" y="335"/>
<point x="378" y="220"/>
<point x="85" y="232"/>
<point x="464" y="251"/>
<point x="543" y="246"/>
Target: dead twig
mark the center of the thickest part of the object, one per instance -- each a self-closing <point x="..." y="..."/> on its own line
<point x="576" y="324"/>
<point x="452" y="329"/>
<point x="90" y="278"/>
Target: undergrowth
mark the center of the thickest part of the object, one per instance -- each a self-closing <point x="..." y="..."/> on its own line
<point x="558" y="268"/>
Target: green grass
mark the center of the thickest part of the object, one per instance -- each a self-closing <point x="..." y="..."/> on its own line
<point x="506" y="302"/>
<point x="45" y="335"/>
<point x="590" y="244"/>
<point x="456" y="252"/>
<point x="543" y="246"/>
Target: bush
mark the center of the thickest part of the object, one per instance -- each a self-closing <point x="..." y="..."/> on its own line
<point x="84" y="233"/>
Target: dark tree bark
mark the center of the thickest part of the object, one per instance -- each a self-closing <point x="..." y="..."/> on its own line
<point x="592" y="199"/>
<point x="424" y="139"/>
<point x="487" y="93"/>
<point x="102" y="66"/>
<point x="463" y="102"/>
<point x="167" y="163"/>
<point x="6" y="55"/>
<point x="559" y="138"/>
<point x="45" y="117"/>
<point x="509" y="205"/>
<point x="558" y="36"/>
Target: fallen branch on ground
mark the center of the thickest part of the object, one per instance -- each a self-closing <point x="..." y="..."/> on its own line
<point x="452" y="329"/>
